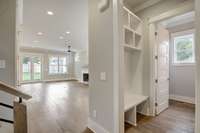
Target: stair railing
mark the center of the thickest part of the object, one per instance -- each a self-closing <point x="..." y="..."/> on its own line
<point x="19" y="108"/>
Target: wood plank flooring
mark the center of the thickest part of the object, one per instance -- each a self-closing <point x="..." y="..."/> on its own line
<point x="57" y="107"/>
<point x="62" y="107"/>
<point x="178" y="118"/>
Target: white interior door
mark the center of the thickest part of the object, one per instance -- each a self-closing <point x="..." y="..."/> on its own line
<point x="162" y="61"/>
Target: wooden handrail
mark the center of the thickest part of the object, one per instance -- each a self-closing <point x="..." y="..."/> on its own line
<point x="13" y="91"/>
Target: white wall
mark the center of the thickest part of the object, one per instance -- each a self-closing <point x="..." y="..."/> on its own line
<point x="7" y="50"/>
<point x="7" y="43"/>
<point x="153" y="11"/>
<point x="45" y="58"/>
<point x="182" y="77"/>
<point x="197" y="27"/>
<point x="182" y="82"/>
<point x="101" y="60"/>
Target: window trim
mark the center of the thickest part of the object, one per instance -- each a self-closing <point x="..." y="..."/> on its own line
<point x="179" y="34"/>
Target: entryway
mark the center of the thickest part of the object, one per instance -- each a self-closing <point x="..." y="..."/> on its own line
<point x="174" y="61"/>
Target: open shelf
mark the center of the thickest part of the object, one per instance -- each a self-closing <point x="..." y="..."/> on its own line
<point x="125" y="17"/>
<point x="132" y="100"/>
<point x="134" y="22"/>
<point x="128" y="36"/>
<point x="132" y="39"/>
<point x="132" y="30"/>
<point x="138" y="40"/>
<point x="132" y="71"/>
<point x="131" y="48"/>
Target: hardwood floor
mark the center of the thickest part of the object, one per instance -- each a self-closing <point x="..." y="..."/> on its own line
<point x="62" y="107"/>
<point x="178" y="118"/>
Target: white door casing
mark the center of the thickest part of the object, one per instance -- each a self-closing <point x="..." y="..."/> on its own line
<point x="162" y="72"/>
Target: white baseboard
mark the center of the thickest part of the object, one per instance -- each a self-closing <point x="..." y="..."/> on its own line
<point x="57" y="80"/>
<point x="182" y="99"/>
<point x="49" y="80"/>
<point x="95" y="127"/>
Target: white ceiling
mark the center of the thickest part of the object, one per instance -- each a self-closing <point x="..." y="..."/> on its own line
<point x="179" y="20"/>
<point x="69" y="15"/>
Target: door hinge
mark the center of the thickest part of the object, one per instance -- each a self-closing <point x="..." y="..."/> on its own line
<point x="156" y="104"/>
<point x="156" y="33"/>
<point x="156" y="80"/>
<point x="156" y="57"/>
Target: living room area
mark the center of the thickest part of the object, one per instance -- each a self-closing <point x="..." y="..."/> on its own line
<point x="51" y="45"/>
<point x="53" y="64"/>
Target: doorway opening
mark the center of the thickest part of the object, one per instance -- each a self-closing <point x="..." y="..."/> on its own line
<point x="174" y="67"/>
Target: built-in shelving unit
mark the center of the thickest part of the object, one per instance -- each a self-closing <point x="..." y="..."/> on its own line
<point x="132" y="65"/>
<point x="132" y="30"/>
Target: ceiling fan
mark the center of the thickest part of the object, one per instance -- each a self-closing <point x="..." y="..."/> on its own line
<point x="67" y="43"/>
<point x="69" y="49"/>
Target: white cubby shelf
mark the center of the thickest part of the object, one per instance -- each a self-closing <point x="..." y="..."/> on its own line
<point x="134" y="98"/>
<point x="131" y="48"/>
<point x="132" y="31"/>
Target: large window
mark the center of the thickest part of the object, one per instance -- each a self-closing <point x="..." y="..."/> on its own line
<point x="184" y="49"/>
<point x="57" y="65"/>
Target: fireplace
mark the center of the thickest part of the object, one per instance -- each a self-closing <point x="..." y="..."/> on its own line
<point x="85" y="77"/>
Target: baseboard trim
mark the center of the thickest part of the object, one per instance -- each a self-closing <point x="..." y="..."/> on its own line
<point x="49" y="80"/>
<point x="95" y="127"/>
<point x="182" y="99"/>
<point x="57" y="80"/>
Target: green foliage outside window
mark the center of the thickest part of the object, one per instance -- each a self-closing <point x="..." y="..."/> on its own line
<point x="184" y="49"/>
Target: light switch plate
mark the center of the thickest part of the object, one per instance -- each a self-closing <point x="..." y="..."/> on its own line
<point x="103" y="76"/>
<point x="2" y="64"/>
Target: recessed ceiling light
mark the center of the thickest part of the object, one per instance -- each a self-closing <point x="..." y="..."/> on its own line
<point x="36" y="41"/>
<point x="61" y="37"/>
<point x="67" y="32"/>
<point x="50" y="13"/>
<point x="40" y="33"/>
